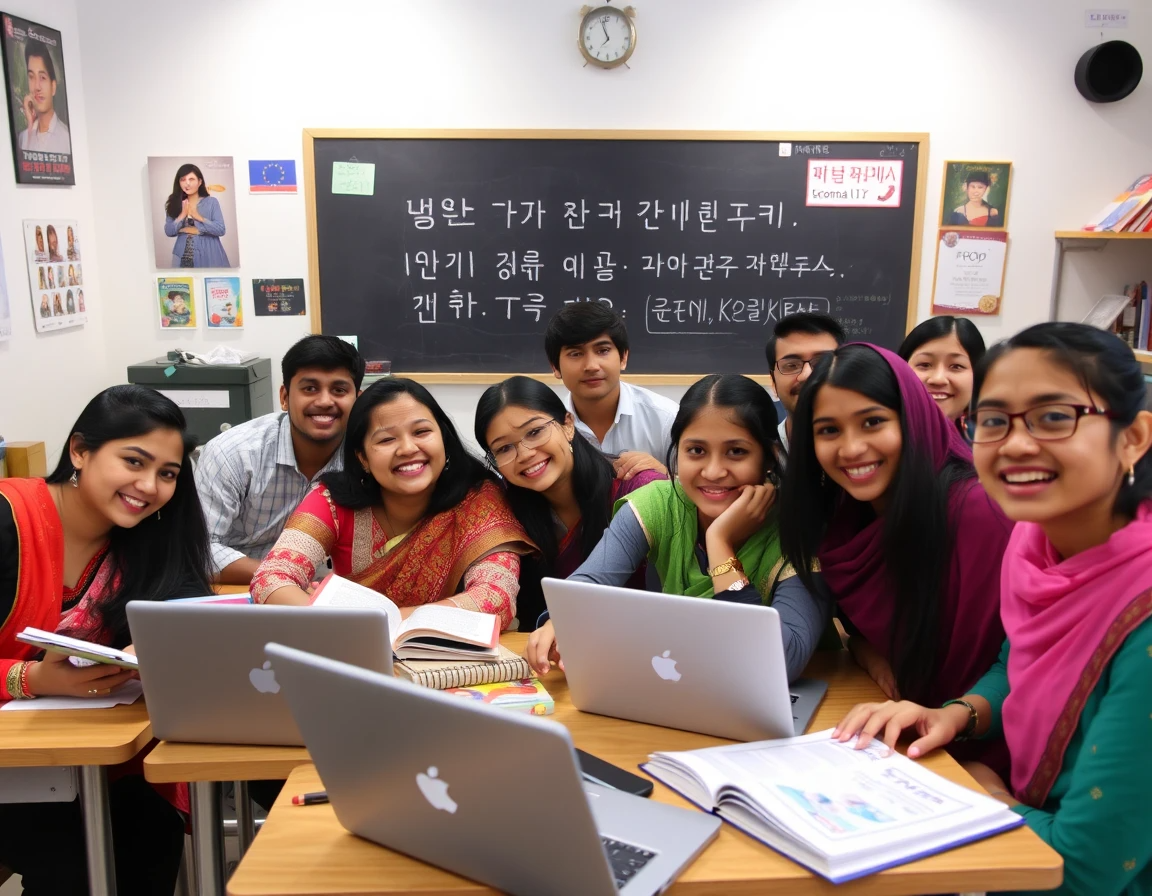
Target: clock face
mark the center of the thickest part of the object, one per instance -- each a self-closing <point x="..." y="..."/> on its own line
<point x="606" y="36"/>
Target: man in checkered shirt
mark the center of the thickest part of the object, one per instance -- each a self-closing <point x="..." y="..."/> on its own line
<point x="251" y="477"/>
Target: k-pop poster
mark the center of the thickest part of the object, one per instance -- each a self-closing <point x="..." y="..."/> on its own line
<point x="37" y="102"/>
<point x="56" y="273"/>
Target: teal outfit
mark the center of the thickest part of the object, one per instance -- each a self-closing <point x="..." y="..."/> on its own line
<point x="1098" y="814"/>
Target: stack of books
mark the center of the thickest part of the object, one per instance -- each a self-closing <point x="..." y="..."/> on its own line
<point x="1133" y="325"/>
<point x="1130" y="212"/>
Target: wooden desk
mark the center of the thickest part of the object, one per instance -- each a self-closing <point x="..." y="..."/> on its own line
<point x="89" y="740"/>
<point x="305" y="850"/>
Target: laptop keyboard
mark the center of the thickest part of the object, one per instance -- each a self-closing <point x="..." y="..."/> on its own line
<point x="626" y="860"/>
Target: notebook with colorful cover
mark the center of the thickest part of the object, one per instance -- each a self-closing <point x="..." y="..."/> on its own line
<point x="841" y="812"/>
<point x="463" y="672"/>
<point x="526" y="695"/>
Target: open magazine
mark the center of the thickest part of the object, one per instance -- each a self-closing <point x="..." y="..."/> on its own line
<point x="430" y="633"/>
<point x="843" y="813"/>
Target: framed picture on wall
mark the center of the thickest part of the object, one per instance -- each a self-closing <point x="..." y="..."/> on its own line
<point x="176" y="303"/>
<point x="193" y="201"/>
<point x="975" y="194"/>
<point x="37" y="94"/>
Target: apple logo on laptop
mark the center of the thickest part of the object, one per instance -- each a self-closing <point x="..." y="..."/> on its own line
<point x="435" y="790"/>
<point x="264" y="679"/>
<point x="665" y="666"/>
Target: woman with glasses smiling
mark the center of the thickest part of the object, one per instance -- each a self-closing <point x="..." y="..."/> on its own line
<point x="559" y="486"/>
<point x="1061" y="442"/>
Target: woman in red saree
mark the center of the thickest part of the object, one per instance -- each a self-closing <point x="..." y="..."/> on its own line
<point x="412" y="515"/>
<point x="74" y="549"/>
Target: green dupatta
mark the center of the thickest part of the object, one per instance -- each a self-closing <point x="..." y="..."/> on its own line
<point x="669" y="522"/>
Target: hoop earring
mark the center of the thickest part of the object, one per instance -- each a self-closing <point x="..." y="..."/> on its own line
<point x="1131" y="475"/>
<point x="74" y="479"/>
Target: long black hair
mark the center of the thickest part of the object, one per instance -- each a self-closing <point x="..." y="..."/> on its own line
<point x="166" y="555"/>
<point x="1105" y="365"/>
<point x="176" y="199"/>
<point x="592" y="477"/>
<point x="940" y="327"/>
<point x="918" y="535"/>
<point x="747" y="399"/>
<point x="355" y="489"/>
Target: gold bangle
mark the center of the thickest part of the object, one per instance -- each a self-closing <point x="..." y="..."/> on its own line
<point x="727" y="566"/>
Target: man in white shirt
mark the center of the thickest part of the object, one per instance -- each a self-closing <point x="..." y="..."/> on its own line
<point x="587" y="346"/>
<point x="798" y="342"/>
<point x="251" y="477"/>
<point x="45" y="132"/>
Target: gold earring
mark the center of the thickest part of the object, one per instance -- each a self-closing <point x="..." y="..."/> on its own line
<point x="1131" y="475"/>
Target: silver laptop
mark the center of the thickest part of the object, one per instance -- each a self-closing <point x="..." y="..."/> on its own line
<point x="205" y="675"/>
<point x="462" y="786"/>
<point x="702" y="665"/>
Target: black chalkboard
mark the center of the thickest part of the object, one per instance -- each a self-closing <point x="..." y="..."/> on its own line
<point x="468" y="244"/>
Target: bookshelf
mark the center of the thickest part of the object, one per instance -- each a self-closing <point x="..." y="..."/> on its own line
<point x="1130" y="261"/>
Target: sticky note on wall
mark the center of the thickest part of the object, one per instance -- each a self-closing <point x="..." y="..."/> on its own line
<point x="354" y="178"/>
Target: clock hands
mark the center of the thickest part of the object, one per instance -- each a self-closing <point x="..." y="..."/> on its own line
<point x="606" y="37"/>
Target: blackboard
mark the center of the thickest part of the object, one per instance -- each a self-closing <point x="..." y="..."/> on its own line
<point x="470" y="241"/>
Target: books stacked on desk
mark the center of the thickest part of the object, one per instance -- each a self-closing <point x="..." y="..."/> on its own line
<point x="1129" y="212"/>
<point x="843" y="813"/>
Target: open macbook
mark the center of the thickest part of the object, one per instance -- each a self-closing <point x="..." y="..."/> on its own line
<point x="681" y="662"/>
<point x="418" y="771"/>
<point x="205" y="675"/>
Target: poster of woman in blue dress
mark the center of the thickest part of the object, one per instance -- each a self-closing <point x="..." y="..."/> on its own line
<point x="194" y="212"/>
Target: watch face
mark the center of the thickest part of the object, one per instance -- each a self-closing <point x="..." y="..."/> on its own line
<point x="606" y="35"/>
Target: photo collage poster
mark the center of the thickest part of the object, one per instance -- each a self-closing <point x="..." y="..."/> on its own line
<point x="55" y="273"/>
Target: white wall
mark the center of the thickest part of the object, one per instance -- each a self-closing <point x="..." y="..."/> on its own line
<point x="47" y="379"/>
<point x="986" y="79"/>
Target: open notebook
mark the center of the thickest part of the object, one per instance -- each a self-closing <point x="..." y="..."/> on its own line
<point x="430" y="633"/>
<point x="841" y="812"/>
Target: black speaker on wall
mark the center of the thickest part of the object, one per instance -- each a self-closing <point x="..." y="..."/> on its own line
<point x="1109" y="71"/>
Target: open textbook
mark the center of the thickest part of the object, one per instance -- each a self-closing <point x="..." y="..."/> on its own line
<point x="430" y="633"/>
<point x="841" y="812"/>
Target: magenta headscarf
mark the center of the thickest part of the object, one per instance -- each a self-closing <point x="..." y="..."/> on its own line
<point x="852" y="555"/>
<point x="1065" y="620"/>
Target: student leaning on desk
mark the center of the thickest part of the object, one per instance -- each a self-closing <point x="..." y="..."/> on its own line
<point x="1061" y="442"/>
<point x="117" y="520"/>
<point x="714" y="532"/>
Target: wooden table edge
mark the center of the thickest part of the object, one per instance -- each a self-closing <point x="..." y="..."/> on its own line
<point x="159" y="771"/>
<point x="104" y="755"/>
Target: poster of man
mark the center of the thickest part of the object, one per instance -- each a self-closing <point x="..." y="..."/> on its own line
<point x="37" y="102"/>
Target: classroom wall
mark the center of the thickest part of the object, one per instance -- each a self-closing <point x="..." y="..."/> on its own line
<point x="45" y="380"/>
<point x="986" y="79"/>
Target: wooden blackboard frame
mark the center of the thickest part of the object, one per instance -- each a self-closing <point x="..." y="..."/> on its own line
<point x="311" y="135"/>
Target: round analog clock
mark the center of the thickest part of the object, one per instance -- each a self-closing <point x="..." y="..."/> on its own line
<point x="607" y="35"/>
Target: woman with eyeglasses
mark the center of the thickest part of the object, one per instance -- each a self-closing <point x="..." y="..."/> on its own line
<point x="880" y="490"/>
<point x="1061" y="442"/>
<point x="559" y="486"/>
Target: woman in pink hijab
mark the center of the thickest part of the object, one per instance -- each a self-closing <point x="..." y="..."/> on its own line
<point x="1061" y="442"/>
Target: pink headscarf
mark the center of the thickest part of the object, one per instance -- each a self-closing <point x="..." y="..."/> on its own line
<point x="852" y="556"/>
<point x="1065" y="619"/>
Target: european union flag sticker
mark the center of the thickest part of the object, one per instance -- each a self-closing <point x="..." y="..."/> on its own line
<point x="272" y="175"/>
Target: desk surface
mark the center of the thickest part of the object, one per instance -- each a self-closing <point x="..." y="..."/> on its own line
<point x="304" y="850"/>
<point x="73" y="737"/>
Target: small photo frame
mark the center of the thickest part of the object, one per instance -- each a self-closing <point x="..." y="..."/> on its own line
<point x="176" y="303"/>
<point x="975" y="194"/>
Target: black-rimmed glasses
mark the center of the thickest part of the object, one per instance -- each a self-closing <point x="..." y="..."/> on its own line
<point x="792" y="366"/>
<point x="1045" y="423"/>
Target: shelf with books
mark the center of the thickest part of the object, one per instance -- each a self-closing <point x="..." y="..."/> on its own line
<point x="1129" y="260"/>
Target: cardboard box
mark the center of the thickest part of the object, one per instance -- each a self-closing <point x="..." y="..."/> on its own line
<point x="26" y="459"/>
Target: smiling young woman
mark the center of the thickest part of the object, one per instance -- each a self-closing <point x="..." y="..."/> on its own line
<point x="943" y="351"/>
<point x="881" y="491"/>
<point x="713" y="532"/>
<point x="1061" y="441"/>
<point x="559" y="486"/>
<point x="412" y="515"/>
<point x="117" y="520"/>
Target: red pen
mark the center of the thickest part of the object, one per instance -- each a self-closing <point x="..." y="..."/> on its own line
<point x="310" y="799"/>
